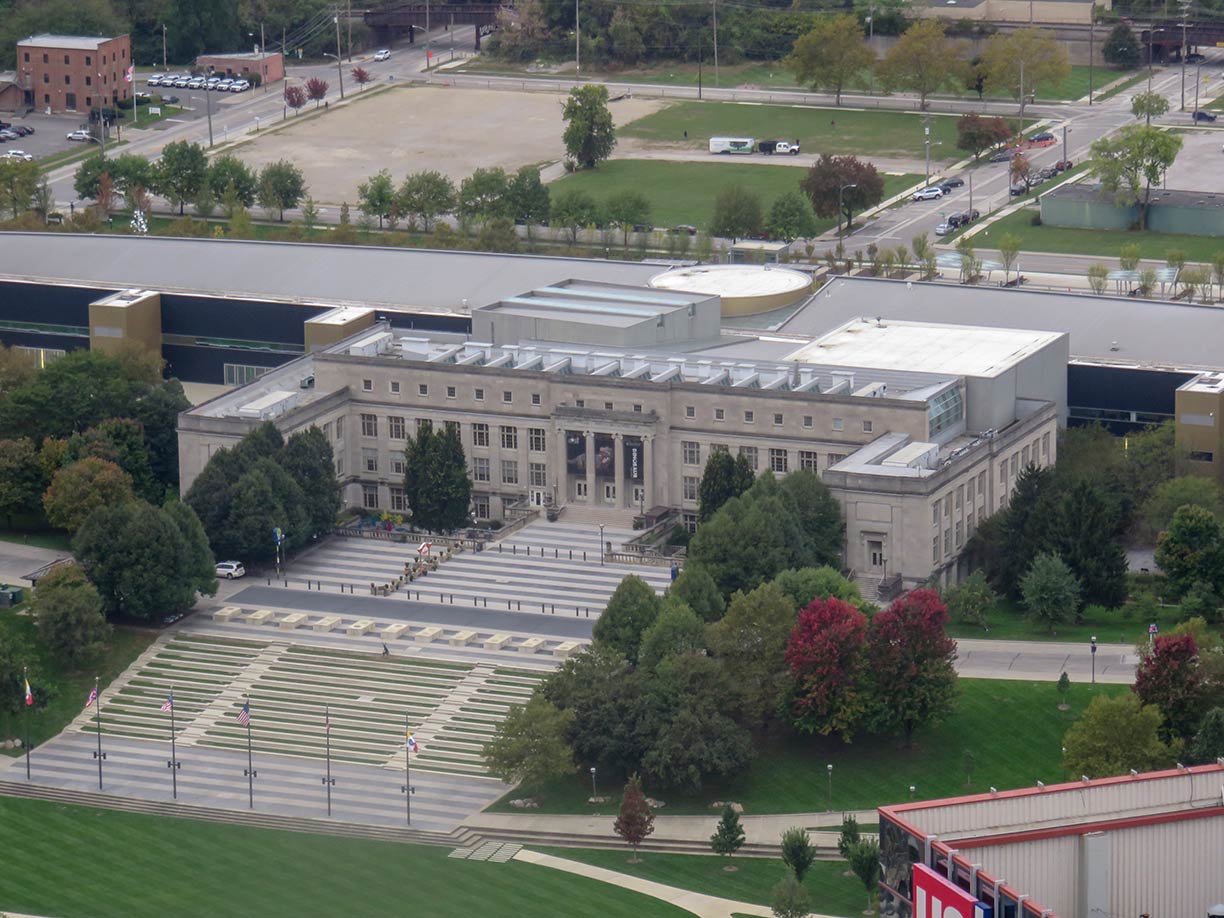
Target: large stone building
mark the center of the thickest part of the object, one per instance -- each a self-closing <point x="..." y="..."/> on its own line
<point x="917" y="457"/>
<point x="72" y="73"/>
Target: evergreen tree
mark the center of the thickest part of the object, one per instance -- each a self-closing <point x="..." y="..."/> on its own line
<point x="1209" y="741"/>
<point x="1082" y="538"/>
<point x="1050" y="591"/>
<point x="308" y="458"/>
<point x="728" y="837"/>
<point x="437" y="487"/>
<point x="631" y="610"/>
<point x="724" y="478"/>
<point x="798" y="852"/>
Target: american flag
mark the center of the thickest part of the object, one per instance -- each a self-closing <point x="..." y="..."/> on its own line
<point x="244" y="716"/>
<point x="327" y="721"/>
<point x="412" y="745"/>
<point x="168" y="704"/>
<point x="93" y="696"/>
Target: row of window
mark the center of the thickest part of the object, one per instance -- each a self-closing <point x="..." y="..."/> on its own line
<point x="779" y="419"/>
<point x="68" y="79"/>
<point x="369" y="501"/>
<point x="478" y="393"/>
<point x="963" y="530"/>
<point x="88" y="58"/>
<point x="508" y="436"/>
<point x="779" y="459"/>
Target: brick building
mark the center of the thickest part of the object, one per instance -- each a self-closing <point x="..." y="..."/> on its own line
<point x="269" y="66"/>
<point x="72" y="73"/>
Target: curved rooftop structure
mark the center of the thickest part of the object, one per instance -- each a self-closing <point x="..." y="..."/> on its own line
<point x="745" y="289"/>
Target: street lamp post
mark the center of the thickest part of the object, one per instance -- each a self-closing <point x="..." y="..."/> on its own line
<point x="829" y="768"/>
<point x="841" y="206"/>
<point x="594" y="793"/>
<point x="1185" y="5"/>
<point x="1094" y="650"/>
<point x="601" y="544"/>
<point x="339" y="58"/>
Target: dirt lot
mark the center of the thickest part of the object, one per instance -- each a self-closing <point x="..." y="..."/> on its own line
<point x="408" y="129"/>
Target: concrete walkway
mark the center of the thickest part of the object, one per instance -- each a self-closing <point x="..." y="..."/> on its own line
<point x="696" y="903"/>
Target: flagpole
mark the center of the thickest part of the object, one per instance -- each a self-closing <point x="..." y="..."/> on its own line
<point x="329" y="780"/>
<point x="407" y="788"/>
<point x="25" y="676"/>
<point x="99" y="755"/>
<point x="173" y="764"/>
<point x="250" y="770"/>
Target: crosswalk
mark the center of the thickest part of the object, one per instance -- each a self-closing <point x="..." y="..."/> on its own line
<point x="544" y="566"/>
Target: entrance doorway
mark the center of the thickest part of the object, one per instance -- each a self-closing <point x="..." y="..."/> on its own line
<point x="609" y="493"/>
<point x="875" y="554"/>
<point x="537" y="497"/>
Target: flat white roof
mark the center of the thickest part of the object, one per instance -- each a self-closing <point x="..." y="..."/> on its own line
<point x="962" y="350"/>
<point x="733" y="280"/>
<point x="72" y="42"/>
<point x="341" y="315"/>
<point x="1212" y="383"/>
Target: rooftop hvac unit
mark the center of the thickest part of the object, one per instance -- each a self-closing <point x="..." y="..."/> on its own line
<point x="872" y="390"/>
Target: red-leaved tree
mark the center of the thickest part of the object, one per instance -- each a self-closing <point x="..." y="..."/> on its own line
<point x="976" y="133"/>
<point x="295" y="97"/>
<point x="827" y="186"/>
<point x="825" y="655"/>
<point x="1169" y="677"/>
<point x="636" y="819"/>
<point x="361" y="76"/>
<point x="316" y="89"/>
<point x="909" y="668"/>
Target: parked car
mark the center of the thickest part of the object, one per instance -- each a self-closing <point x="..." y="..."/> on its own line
<point x="230" y="569"/>
<point x="240" y="86"/>
<point x="7" y="135"/>
<point x="930" y="193"/>
<point x="1047" y="173"/>
<point x="181" y="82"/>
<point x="1004" y="156"/>
<point x="382" y="54"/>
<point x="19" y="155"/>
<point x="223" y="85"/>
<point x="142" y="96"/>
<point x="964" y="218"/>
<point x="1195" y="58"/>
<point x="685" y="228"/>
<point x="944" y="228"/>
<point x="1018" y="189"/>
<point x="1062" y="165"/>
<point x="195" y="83"/>
<point x="1043" y="139"/>
<point x="78" y="134"/>
<point x="1204" y="116"/>
<point x="170" y="100"/>
<point x="953" y="182"/>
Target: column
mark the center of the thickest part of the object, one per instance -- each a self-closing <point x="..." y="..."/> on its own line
<point x="648" y="469"/>
<point x="617" y="461"/>
<point x="590" y="466"/>
<point x="560" y="470"/>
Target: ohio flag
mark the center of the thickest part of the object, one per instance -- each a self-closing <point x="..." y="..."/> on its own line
<point x="29" y="696"/>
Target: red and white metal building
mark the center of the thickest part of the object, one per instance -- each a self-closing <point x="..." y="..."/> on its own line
<point x="1144" y="844"/>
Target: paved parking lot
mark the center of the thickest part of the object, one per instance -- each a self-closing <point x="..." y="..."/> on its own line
<point x="1200" y="164"/>
<point x="48" y="136"/>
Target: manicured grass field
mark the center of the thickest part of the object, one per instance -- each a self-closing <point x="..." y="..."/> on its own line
<point x="71" y="861"/>
<point x="684" y="192"/>
<point x="1107" y="244"/>
<point x="831" y="892"/>
<point x="789" y="776"/>
<point x="819" y="130"/>
<point x="1116" y="626"/>
<point x="43" y="538"/>
<point x="64" y="690"/>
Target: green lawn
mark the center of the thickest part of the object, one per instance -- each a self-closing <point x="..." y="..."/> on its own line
<point x="683" y="192"/>
<point x="819" y="130"/>
<point x="789" y="776"/>
<point x="43" y="538"/>
<point x="831" y="892"/>
<point x="144" y="119"/>
<point x="71" y="861"/>
<point x="1116" y="626"/>
<point x="1105" y="243"/>
<point x="63" y="690"/>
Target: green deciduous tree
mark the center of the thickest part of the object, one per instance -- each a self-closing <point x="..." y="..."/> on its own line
<point x="922" y="60"/>
<point x="832" y="56"/>
<point x="1121" y="48"/>
<point x="728" y="836"/>
<point x="21" y="480"/>
<point x="751" y="641"/>
<point x="791" y="217"/>
<point x="437" y="487"/>
<point x="826" y="186"/>
<point x="631" y="610"/>
<point x="605" y="694"/>
<point x="181" y="173"/>
<point x="68" y="612"/>
<point x="1115" y="734"/>
<point x="737" y="212"/>
<point x="1208" y="743"/>
<point x="426" y="195"/>
<point x="798" y="852"/>
<point x="1129" y="162"/>
<point x="697" y="589"/>
<point x="971" y="599"/>
<point x="531" y="746"/>
<point x="1171" y="495"/>
<point x="574" y="210"/>
<point x="376" y="196"/>
<point x="121" y="441"/>
<point x="19" y="182"/>
<point x="1148" y="105"/>
<point x="227" y="174"/>
<point x="77" y="490"/>
<point x="134" y="554"/>
<point x="676" y="630"/>
<point x="627" y="209"/>
<point x="308" y="458"/>
<point x="528" y="197"/>
<point x="635" y="821"/>
<point x="724" y="477"/>
<point x="789" y="898"/>
<point x="589" y="133"/>
<point x="483" y="195"/>
<point x="1191" y="550"/>
<point x="1050" y="591"/>
<point x="1017" y="62"/>
<point x="802" y="585"/>
<point x="864" y="858"/>
<point x="281" y="187"/>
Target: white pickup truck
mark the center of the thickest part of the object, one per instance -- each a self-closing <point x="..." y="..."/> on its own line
<point x="769" y="147"/>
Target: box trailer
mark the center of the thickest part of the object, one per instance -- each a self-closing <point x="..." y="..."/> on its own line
<point x="732" y="144"/>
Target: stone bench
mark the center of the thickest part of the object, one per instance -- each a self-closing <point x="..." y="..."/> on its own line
<point x="292" y="621"/>
<point x="461" y="638"/>
<point x="566" y="649"/>
<point x="226" y="614"/>
<point x="262" y="617"/>
<point x="427" y="635"/>
<point x="360" y="627"/>
<point x="394" y="630"/>
<point x="327" y="623"/>
<point x="531" y="645"/>
<point x="496" y="642"/>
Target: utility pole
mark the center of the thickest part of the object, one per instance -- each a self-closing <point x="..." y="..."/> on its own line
<point x="1185" y="5"/>
<point x="428" y="48"/>
<point x="715" y="42"/>
<point x="339" y="56"/>
<point x="577" y="41"/>
<point x="350" y="31"/>
<point x="263" y="63"/>
<point x="1091" y="36"/>
<point x="870" y="44"/>
<point x="164" y="64"/>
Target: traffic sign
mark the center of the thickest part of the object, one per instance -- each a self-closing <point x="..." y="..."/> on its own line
<point x="1152" y="629"/>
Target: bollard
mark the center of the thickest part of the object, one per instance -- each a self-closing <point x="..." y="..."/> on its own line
<point x="554" y="609"/>
<point x="571" y="551"/>
<point x="584" y="556"/>
<point x="486" y="604"/>
<point x="508" y="606"/>
<point x="269" y="581"/>
<point x="499" y="548"/>
<point x="556" y="553"/>
<point x="475" y="600"/>
<point x="520" y="604"/>
<point x="514" y="549"/>
<point x="588" y="613"/>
